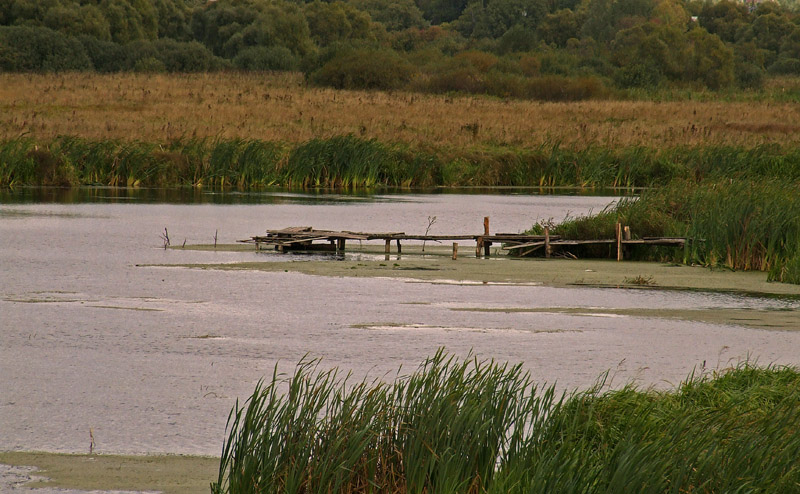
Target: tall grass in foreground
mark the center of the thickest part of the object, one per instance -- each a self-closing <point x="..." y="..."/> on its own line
<point x="478" y="426"/>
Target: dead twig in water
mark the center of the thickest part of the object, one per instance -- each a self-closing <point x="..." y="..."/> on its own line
<point x="165" y="238"/>
<point x="431" y="221"/>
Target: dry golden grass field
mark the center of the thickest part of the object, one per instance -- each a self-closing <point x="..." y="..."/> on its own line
<point x="159" y="108"/>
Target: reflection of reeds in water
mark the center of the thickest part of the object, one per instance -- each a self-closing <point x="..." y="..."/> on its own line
<point x="480" y="426"/>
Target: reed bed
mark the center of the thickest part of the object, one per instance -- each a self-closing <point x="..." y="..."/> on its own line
<point x="480" y="426"/>
<point x="741" y="224"/>
<point x="349" y="161"/>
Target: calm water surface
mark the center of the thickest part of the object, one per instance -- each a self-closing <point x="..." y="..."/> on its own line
<point x="152" y="358"/>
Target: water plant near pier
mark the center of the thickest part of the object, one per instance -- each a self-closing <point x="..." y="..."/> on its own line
<point x="480" y="426"/>
<point x="739" y="224"/>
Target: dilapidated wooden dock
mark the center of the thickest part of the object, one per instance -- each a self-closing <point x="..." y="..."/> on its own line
<point x="306" y="238"/>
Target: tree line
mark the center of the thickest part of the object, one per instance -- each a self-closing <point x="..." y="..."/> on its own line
<point x="542" y="49"/>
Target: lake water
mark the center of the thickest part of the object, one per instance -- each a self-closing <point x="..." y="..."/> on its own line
<point x="151" y="359"/>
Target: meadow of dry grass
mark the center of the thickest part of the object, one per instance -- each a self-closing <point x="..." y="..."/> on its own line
<point x="160" y="108"/>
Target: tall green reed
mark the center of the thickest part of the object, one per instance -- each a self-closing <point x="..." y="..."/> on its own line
<point x="348" y="161"/>
<point x="471" y="426"/>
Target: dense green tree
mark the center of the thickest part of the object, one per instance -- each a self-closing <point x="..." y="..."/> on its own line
<point x="336" y="21"/>
<point x="440" y="11"/>
<point x="493" y="19"/>
<point x="709" y="60"/>
<point x="725" y="19"/>
<point x="229" y="26"/>
<point x="604" y="18"/>
<point x="517" y="39"/>
<point x="173" y="19"/>
<point x="76" y="20"/>
<point x="558" y="27"/>
<point x="657" y="47"/>
<point x="767" y="31"/>
<point x="130" y="21"/>
<point x="40" y="49"/>
<point x="395" y="15"/>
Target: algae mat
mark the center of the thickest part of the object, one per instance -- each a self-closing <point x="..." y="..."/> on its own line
<point x="435" y="265"/>
<point x="170" y="474"/>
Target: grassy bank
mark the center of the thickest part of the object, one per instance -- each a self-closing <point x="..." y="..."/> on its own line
<point x="740" y="224"/>
<point x="482" y="426"/>
<point x="170" y="474"/>
<point x="349" y="161"/>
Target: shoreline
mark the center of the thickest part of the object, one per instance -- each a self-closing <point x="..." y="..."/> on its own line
<point x="170" y="474"/>
<point x="437" y="267"/>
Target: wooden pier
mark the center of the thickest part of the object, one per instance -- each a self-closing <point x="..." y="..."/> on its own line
<point x="306" y="238"/>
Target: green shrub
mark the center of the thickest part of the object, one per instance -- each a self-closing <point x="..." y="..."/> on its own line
<point x="364" y="68"/>
<point x="784" y="66"/>
<point x="150" y="65"/>
<point x="40" y="49"/>
<point x="180" y="56"/>
<point x="106" y="56"/>
<point x="263" y="58"/>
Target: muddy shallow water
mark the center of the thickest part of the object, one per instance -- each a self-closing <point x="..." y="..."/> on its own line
<point x="151" y="359"/>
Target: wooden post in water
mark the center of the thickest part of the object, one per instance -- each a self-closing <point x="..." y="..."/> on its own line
<point x="455" y="250"/>
<point x="619" y="241"/>
<point x="486" y="245"/>
<point x="478" y="246"/>
<point x="399" y="247"/>
<point x="627" y="236"/>
<point x="388" y="248"/>
<point x="547" y="242"/>
<point x="340" y="245"/>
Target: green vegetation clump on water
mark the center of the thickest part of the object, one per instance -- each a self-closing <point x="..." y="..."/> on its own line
<point x="737" y="224"/>
<point x="470" y="426"/>
<point x="352" y="162"/>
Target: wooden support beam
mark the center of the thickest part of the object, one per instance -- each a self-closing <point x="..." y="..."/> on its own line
<point x="455" y="250"/>
<point x="399" y="247"/>
<point x="619" y="241"/>
<point x="478" y="246"/>
<point x="547" y="248"/>
<point x="387" y="248"/>
<point x="486" y="248"/>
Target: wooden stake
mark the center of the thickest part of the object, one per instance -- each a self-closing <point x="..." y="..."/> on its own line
<point x="627" y="233"/>
<point x="547" y="242"/>
<point x="619" y="241"/>
<point x="388" y="248"/>
<point x="455" y="250"/>
<point x="478" y="246"/>
<point x="486" y="225"/>
<point x="399" y="247"/>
